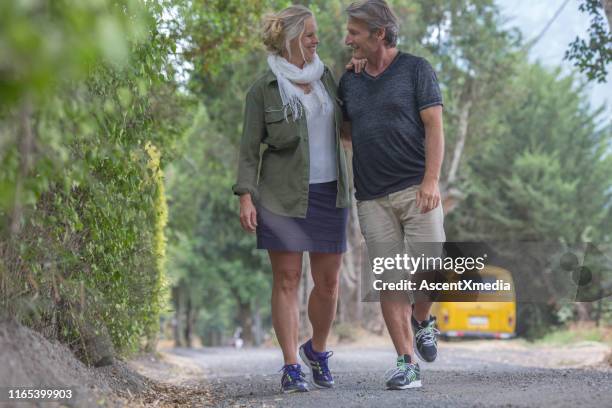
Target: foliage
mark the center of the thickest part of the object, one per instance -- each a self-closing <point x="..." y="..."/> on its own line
<point x="217" y="263"/>
<point x="540" y="172"/>
<point x="593" y="55"/>
<point x="574" y="335"/>
<point x="547" y="156"/>
<point x="46" y="42"/>
<point x="209" y="34"/>
<point x="83" y="200"/>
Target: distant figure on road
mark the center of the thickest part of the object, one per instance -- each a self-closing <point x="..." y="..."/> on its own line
<point x="393" y="115"/>
<point x="237" y="341"/>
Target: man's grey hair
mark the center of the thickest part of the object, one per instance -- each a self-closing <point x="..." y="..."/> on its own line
<point x="376" y="14"/>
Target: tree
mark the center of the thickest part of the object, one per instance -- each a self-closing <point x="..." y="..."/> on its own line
<point x="550" y="163"/>
<point x="220" y="263"/>
<point x="90" y="113"/>
<point x="593" y="55"/>
<point x="207" y="272"/>
<point x="541" y="173"/>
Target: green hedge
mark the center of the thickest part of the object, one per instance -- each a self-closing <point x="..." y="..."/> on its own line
<point x="82" y="203"/>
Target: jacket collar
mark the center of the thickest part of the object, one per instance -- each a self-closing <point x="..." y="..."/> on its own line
<point x="270" y="77"/>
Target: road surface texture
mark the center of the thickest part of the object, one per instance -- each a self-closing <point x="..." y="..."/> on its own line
<point x="475" y="374"/>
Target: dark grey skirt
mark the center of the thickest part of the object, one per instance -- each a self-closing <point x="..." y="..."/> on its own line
<point x="323" y="229"/>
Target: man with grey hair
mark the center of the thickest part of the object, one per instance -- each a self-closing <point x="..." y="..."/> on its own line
<point x="393" y="116"/>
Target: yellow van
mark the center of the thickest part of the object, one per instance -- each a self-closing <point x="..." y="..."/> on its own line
<point x="483" y="317"/>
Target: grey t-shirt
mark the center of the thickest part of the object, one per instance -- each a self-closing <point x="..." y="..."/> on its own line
<point x="387" y="131"/>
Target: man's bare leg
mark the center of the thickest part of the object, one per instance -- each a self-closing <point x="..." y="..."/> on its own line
<point x="422" y="311"/>
<point x="396" y="312"/>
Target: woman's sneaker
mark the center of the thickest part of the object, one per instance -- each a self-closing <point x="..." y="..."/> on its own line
<point x="425" y="339"/>
<point x="321" y="376"/>
<point x="405" y="375"/>
<point x="293" y="379"/>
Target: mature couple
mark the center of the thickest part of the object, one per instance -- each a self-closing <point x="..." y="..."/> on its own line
<point x="295" y="195"/>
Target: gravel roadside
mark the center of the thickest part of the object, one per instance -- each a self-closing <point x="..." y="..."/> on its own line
<point x="469" y="374"/>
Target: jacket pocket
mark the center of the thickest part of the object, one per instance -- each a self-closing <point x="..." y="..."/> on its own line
<point x="281" y="133"/>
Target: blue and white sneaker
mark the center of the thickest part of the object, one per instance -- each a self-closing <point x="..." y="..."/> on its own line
<point x="404" y="375"/>
<point x="293" y="379"/>
<point x="321" y="376"/>
<point x="425" y="339"/>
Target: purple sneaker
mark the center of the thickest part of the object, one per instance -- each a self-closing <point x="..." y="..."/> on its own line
<point x="321" y="376"/>
<point x="293" y="379"/>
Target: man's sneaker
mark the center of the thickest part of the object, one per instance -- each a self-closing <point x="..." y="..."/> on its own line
<point x="425" y="339"/>
<point x="405" y="375"/>
<point x="293" y="379"/>
<point x="321" y="376"/>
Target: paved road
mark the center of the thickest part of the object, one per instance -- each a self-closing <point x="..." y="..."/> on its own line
<point x="461" y="377"/>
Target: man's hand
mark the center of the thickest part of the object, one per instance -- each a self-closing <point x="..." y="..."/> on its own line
<point x="248" y="213"/>
<point x="428" y="196"/>
<point x="356" y="65"/>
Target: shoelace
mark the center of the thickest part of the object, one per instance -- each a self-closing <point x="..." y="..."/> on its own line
<point x="402" y="368"/>
<point x="293" y="372"/>
<point x="427" y="335"/>
<point x="321" y="364"/>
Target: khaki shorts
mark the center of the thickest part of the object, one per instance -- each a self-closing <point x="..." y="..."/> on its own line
<point x="393" y="225"/>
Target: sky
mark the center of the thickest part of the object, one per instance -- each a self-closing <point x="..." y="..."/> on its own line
<point x="531" y="16"/>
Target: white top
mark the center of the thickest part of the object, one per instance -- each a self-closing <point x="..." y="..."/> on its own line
<point x="321" y="139"/>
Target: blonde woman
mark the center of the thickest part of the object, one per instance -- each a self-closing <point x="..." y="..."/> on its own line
<point x="295" y="195"/>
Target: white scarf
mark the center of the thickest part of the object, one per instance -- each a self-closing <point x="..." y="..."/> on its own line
<point x="291" y="95"/>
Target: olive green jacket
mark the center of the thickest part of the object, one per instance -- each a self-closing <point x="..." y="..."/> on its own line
<point x="278" y="179"/>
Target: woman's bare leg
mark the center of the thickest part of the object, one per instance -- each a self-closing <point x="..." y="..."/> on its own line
<point x="286" y="271"/>
<point x="323" y="298"/>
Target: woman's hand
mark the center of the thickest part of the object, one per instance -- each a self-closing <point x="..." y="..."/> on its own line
<point x="356" y="65"/>
<point x="248" y="213"/>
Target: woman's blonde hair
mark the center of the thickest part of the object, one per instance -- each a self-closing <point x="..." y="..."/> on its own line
<point x="282" y="27"/>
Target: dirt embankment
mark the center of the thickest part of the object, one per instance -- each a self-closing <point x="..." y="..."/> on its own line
<point x="29" y="360"/>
